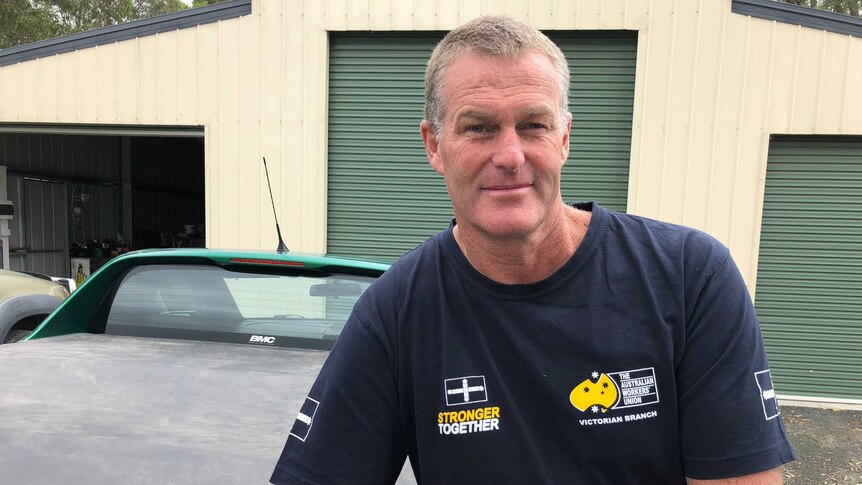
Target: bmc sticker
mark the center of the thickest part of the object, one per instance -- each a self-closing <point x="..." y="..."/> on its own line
<point x="262" y="339"/>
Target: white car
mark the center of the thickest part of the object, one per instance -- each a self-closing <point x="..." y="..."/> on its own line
<point x="25" y="301"/>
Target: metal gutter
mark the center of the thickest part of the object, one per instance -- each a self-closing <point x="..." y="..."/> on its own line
<point x="125" y="31"/>
<point x="103" y="130"/>
<point x="799" y="15"/>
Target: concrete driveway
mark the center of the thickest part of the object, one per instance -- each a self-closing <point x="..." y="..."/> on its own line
<point x="828" y="445"/>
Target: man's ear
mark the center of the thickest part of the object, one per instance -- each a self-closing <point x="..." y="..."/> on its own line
<point x="432" y="148"/>
<point x="565" y="145"/>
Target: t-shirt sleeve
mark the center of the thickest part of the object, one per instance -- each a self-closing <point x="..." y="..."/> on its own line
<point x="348" y="428"/>
<point x="729" y="419"/>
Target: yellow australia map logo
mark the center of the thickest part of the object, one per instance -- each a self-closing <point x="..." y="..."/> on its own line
<point x="602" y="393"/>
<point x="615" y="390"/>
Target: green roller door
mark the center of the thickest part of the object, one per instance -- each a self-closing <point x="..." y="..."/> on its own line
<point x="809" y="280"/>
<point x="602" y="67"/>
<point x="384" y="198"/>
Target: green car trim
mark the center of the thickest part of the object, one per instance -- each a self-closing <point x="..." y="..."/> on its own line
<point x="76" y="312"/>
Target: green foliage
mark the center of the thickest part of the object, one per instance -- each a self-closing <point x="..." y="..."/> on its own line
<point x="204" y="3"/>
<point x="846" y="7"/>
<point x="25" y="21"/>
<point x="21" y="22"/>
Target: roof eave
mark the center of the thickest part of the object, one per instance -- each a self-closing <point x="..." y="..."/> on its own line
<point x="125" y="31"/>
<point x="799" y="15"/>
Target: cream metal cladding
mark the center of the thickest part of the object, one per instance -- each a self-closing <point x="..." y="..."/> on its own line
<point x="711" y="87"/>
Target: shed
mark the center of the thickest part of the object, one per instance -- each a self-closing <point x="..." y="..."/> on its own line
<point x="742" y="118"/>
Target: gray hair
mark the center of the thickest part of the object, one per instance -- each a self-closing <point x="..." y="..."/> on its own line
<point x="495" y="36"/>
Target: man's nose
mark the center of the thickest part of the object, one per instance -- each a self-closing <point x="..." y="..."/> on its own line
<point x="508" y="152"/>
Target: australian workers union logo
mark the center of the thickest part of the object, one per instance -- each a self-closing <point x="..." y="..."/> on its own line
<point x="616" y="390"/>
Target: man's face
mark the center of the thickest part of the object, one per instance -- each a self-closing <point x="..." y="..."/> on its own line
<point x="503" y="143"/>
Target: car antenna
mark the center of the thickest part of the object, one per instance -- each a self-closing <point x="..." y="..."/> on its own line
<point x="282" y="248"/>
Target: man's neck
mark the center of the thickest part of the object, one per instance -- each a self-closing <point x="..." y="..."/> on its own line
<point x="527" y="260"/>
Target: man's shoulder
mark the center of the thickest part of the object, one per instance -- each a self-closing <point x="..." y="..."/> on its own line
<point x="663" y="233"/>
<point x="426" y="253"/>
<point x="420" y="261"/>
<point x="664" y="241"/>
<point x="418" y="271"/>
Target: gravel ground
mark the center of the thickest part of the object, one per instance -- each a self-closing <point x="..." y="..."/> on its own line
<point x="828" y="446"/>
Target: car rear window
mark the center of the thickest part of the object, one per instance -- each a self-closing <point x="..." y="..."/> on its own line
<point x="296" y="309"/>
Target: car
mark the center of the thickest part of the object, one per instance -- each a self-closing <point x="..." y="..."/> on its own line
<point x="25" y="300"/>
<point x="174" y="366"/>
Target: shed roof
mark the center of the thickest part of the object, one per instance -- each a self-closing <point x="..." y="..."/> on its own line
<point x="125" y="31"/>
<point x="799" y="15"/>
<point x="765" y="9"/>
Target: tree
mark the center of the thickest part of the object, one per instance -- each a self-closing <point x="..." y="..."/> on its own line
<point x="204" y="3"/>
<point x="25" y="21"/>
<point x="21" y="22"/>
<point x="846" y="7"/>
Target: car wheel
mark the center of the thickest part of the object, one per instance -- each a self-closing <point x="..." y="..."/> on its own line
<point x="15" y="335"/>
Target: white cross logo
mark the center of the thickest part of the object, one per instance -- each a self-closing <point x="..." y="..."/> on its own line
<point x="470" y="388"/>
<point x="466" y="390"/>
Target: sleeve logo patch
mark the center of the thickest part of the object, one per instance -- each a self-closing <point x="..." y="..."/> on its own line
<point x="767" y="394"/>
<point x="304" y="419"/>
<point x="465" y="390"/>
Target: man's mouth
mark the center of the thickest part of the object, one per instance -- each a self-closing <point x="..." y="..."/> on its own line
<point x="504" y="188"/>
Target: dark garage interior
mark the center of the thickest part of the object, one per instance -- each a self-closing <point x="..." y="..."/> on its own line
<point x="80" y="199"/>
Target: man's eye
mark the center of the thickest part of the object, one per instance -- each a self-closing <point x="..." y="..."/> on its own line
<point x="534" y="126"/>
<point x="476" y="129"/>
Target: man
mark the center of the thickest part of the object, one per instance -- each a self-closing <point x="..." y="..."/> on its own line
<point x="533" y="341"/>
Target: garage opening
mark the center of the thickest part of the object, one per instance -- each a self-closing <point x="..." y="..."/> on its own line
<point x="80" y="196"/>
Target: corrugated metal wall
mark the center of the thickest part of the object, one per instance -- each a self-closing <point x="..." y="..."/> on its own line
<point x="711" y="86"/>
<point x="39" y="232"/>
<point x="42" y="228"/>
<point x="714" y="86"/>
<point x="85" y="158"/>
<point x="45" y="171"/>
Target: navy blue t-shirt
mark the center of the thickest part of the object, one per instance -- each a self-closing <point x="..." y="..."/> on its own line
<point x="638" y="361"/>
